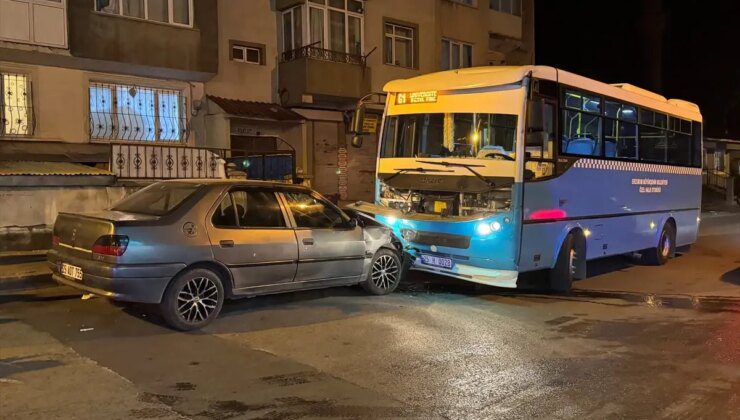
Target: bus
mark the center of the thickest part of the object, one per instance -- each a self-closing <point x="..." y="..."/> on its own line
<point x="487" y="173"/>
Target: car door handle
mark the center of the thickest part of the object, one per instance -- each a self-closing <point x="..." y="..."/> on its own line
<point x="308" y="241"/>
<point x="226" y="244"/>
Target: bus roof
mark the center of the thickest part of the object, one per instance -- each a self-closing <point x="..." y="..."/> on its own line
<point x="480" y="77"/>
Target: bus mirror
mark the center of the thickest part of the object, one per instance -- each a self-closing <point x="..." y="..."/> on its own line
<point x="357" y="140"/>
<point x="358" y="120"/>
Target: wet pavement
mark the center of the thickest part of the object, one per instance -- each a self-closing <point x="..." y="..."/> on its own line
<point x="631" y="341"/>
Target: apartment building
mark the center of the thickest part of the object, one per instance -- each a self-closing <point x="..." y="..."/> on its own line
<point x="93" y="92"/>
<point x="291" y="71"/>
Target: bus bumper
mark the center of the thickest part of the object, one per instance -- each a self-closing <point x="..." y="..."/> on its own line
<point x="487" y="276"/>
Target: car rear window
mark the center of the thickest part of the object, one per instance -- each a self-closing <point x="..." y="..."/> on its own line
<point x="157" y="199"/>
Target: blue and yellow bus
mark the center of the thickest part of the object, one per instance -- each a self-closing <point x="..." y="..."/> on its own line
<point x="486" y="173"/>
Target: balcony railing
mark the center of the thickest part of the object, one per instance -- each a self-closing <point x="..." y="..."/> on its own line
<point x="161" y="161"/>
<point x="317" y="53"/>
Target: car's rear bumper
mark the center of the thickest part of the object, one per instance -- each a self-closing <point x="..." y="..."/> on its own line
<point x="143" y="283"/>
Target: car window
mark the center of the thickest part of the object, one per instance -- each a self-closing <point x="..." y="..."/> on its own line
<point x="310" y="212"/>
<point x="225" y="216"/>
<point x="157" y="199"/>
<point x="249" y="209"/>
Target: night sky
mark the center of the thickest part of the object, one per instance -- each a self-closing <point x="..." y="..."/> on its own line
<point x="687" y="49"/>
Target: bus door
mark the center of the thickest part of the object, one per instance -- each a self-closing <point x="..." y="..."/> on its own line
<point x="540" y="158"/>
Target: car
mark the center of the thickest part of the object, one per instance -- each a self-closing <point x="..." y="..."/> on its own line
<point x="187" y="245"/>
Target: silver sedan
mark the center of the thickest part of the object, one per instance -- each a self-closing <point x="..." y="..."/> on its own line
<point x="188" y="245"/>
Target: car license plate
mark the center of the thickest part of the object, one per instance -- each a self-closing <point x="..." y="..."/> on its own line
<point x="436" y="261"/>
<point x="71" y="271"/>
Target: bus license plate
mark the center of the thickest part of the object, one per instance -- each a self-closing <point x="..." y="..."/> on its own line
<point x="436" y="261"/>
<point x="71" y="271"/>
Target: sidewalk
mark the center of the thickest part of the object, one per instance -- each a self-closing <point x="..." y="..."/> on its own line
<point x="25" y="275"/>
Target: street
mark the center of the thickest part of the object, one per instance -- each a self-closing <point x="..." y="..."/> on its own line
<point x="631" y="341"/>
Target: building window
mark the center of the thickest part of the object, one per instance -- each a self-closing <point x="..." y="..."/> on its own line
<point x="174" y="12"/>
<point x="246" y="52"/>
<point x="16" y="105"/>
<point x="456" y="55"/>
<point x="40" y="22"/>
<point x="335" y="25"/>
<point x="512" y="7"/>
<point x="137" y="113"/>
<point x="471" y="3"/>
<point x="399" y="45"/>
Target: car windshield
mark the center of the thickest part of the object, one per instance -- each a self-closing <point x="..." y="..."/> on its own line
<point x="157" y="199"/>
<point x="449" y="134"/>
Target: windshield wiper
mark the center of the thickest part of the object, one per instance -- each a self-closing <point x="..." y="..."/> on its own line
<point x="422" y="170"/>
<point x="469" y="167"/>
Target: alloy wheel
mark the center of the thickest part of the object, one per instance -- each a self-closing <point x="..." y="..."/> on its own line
<point x="197" y="300"/>
<point x="385" y="272"/>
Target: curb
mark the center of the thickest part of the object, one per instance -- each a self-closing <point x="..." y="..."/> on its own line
<point x="25" y="282"/>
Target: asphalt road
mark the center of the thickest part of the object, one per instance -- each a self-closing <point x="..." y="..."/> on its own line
<point x="632" y="341"/>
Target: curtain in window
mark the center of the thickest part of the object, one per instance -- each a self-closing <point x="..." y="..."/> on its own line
<point x="336" y="31"/>
<point x="133" y="8"/>
<point x="15" y="105"/>
<point x="317" y="27"/>
<point x="181" y="11"/>
<point x="135" y="113"/>
<point x="158" y="10"/>
<point x="101" y="115"/>
<point x="169" y="116"/>
<point x="354" y="35"/>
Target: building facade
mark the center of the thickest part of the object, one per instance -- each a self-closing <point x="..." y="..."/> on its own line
<point x="95" y="91"/>
<point x="316" y="58"/>
<point x="100" y="97"/>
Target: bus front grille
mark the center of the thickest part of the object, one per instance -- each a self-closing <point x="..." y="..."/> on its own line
<point x="436" y="238"/>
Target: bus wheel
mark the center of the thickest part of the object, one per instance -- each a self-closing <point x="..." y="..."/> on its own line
<point x="561" y="276"/>
<point x="666" y="247"/>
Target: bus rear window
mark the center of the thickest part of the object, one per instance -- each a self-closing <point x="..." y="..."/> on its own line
<point x="157" y="199"/>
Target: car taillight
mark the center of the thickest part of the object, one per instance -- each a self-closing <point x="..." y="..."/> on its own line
<point x="55" y="240"/>
<point x="114" y="245"/>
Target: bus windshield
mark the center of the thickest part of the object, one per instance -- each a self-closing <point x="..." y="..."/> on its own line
<point x="472" y="135"/>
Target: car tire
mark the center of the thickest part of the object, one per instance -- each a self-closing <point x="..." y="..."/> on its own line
<point x="385" y="273"/>
<point x="192" y="300"/>
<point x="665" y="249"/>
<point x="563" y="273"/>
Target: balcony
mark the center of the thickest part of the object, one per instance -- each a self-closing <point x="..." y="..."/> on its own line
<point x="315" y="76"/>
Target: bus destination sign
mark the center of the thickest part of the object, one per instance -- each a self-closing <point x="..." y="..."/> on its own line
<point x="424" y="97"/>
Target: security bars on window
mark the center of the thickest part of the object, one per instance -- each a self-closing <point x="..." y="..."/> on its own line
<point x="16" y="105"/>
<point x="137" y="113"/>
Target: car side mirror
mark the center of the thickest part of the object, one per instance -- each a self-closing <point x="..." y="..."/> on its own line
<point x="353" y="222"/>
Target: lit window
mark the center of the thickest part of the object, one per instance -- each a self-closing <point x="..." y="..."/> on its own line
<point x="399" y="45"/>
<point x="16" y="106"/>
<point x="175" y="12"/>
<point x="246" y="54"/>
<point x="456" y="55"/>
<point x="136" y="113"/>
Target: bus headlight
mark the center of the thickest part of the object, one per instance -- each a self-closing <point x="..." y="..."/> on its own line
<point x="483" y="229"/>
<point x="495" y="226"/>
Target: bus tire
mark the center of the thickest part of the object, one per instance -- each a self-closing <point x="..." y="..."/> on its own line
<point x="665" y="249"/>
<point x="563" y="273"/>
